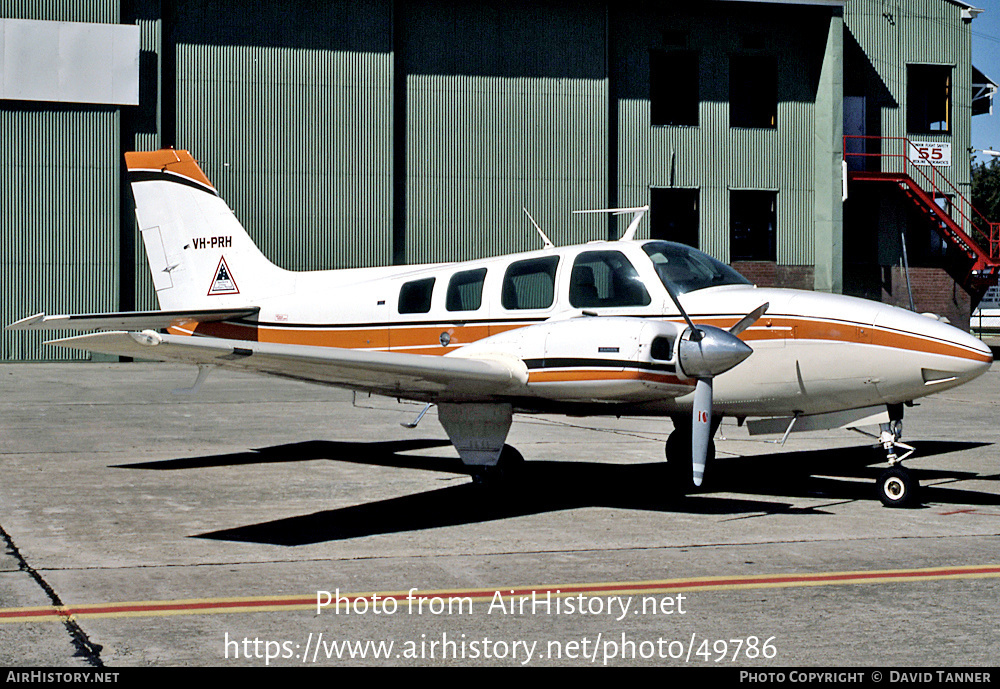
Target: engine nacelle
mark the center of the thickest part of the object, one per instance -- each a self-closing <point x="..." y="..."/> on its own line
<point x="593" y="358"/>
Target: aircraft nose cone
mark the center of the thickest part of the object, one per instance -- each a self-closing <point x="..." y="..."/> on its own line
<point x="716" y="352"/>
<point x="981" y="358"/>
<point x="949" y="356"/>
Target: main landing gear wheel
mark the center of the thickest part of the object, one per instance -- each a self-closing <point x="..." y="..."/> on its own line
<point x="897" y="487"/>
<point x="678" y="453"/>
<point x="508" y="469"/>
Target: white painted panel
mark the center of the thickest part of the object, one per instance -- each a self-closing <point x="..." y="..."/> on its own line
<point x="71" y="62"/>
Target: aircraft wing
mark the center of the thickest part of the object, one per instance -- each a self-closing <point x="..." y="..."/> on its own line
<point x="128" y="320"/>
<point x="411" y="376"/>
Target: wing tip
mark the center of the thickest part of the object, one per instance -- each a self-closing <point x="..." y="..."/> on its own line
<point x="26" y="323"/>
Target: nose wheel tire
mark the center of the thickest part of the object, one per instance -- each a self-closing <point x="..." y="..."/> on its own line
<point x="897" y="487"/>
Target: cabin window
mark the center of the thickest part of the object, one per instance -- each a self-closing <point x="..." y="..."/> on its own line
<point x="928" y="99"/>
<point x="415" y="296"/>
<point x="605" y="278"/>
<point x="685" y="269"/>
<point x="530" y="284"/>
<point x="753" y="217"/>
<point x="753" y="91"/>
<point x="465" y="290"/>
<point x="673" y="87"/>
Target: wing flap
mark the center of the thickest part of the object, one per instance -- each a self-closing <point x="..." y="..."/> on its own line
<point x="129" y="320"/>
<point x="411" y="376"/>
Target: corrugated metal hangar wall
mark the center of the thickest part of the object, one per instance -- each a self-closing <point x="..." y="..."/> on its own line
<point x="349" y="133"/>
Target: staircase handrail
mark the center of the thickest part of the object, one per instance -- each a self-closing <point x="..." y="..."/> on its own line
<point x="990" y="237"/>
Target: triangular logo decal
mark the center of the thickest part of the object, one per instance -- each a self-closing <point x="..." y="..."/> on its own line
<point x="223" y="282"/>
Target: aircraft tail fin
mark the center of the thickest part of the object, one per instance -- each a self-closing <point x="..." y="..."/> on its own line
<point x="199" y="254"/>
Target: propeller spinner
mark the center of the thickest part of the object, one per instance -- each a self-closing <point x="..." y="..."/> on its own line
<point x="704" y="352"/>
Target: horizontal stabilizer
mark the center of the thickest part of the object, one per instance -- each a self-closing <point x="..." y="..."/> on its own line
<point x="128" y="320"/>
<point x="409" y="376"/>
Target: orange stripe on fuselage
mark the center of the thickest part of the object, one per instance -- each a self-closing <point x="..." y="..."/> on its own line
<point x="426" y="339"/>
<point x="422" y="339"/>
<point x="793" y="328"/>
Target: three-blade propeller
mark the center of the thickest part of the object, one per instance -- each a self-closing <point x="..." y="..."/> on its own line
<point x="704" y="352"/>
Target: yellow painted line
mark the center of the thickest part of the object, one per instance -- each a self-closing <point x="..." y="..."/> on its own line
<point x="202" y="606"/>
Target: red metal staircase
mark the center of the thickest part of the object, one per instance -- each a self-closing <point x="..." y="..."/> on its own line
<point x="900" y="162"/>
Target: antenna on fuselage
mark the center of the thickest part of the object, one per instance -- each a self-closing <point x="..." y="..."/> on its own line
<point x="632" y="226"/>
<point x="546" y="242"/>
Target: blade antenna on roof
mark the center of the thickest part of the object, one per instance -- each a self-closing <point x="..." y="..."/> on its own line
<point x="546" y="242"/>
<point x="632" y="227"/>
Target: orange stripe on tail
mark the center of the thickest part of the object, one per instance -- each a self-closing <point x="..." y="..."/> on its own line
<point x="167" y="160"/>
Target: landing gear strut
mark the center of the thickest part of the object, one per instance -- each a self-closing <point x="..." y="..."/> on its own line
<point x="507" y="469"/>
<point x="896" y="486"/>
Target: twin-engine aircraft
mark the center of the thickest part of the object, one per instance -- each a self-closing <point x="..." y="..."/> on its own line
<point x="646" y="328"/>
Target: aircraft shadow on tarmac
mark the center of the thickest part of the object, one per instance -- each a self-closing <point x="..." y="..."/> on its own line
<point x="841" y="474"/>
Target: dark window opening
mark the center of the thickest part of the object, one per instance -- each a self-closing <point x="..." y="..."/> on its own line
<point x="753" y="217"/>
<point x="674" y="38"/>
<point x="415" y="297"/>
<point x="662" y="348"/>
<point x="605" y="278"/>
<point x="928" y="99"/>
<point x="530" y="284"/>
<point x="754" y="41"/>
<point x="674" y="215"/>
<point x="673" y="88"/>
<point x="753" y="91"/>
<point x="465" y="290"/>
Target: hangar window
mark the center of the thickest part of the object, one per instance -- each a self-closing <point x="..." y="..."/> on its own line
<point x="415" y="296"/>
<point x="465" y="290"/>
<point x="753" y="91"/>
<point x="673" y="87"/>
<point x="674" y="215"/>
<point x="753" y="217"/>
<point x="605" y="278"/>
<point x="928" y="99"/>
<point x="530" y="284"/>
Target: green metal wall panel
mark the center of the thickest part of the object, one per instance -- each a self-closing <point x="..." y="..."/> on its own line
<point x="146" y="121"/>
<point x="59" y="190"/>
<point x="713" y="156"/>
<point x="480" y="148"/>
<point x="102" y="11"/>
<point x="295" y="132"/>
<point x="506" y="107"/>
<point x="894" y="34"/>
<point x="58" y="219"/>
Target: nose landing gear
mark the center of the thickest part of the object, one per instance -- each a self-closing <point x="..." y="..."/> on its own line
<point x="896" y="485"/>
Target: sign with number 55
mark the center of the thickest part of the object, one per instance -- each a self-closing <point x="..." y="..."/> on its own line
<point x="930" y="153"/>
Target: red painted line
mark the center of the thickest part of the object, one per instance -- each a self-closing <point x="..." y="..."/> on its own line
<point x="159" y="608"/>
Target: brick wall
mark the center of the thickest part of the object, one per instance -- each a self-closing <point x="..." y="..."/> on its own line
<point x="934" y="291"/>
<point x="770" y="274"/>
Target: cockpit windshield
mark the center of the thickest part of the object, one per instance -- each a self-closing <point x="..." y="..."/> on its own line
<point x="688" y="269"/>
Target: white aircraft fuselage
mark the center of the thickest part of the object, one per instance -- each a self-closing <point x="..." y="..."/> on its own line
<point x="812" y="352"/>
